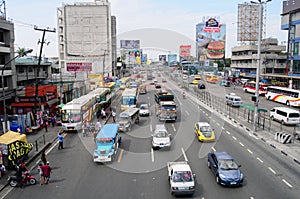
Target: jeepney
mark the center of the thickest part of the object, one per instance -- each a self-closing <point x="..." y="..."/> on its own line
<point x="127" y="118"/>
<point x="108" y="141"/>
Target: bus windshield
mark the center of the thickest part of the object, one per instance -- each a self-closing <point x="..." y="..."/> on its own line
<point x="71" y="116"/>
<point x="128" y="101"/>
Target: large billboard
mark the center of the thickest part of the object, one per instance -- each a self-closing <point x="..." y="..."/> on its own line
<point x="130" y="44"/>
<point x="79" y="66"/>
<point x="172" y="59"/>
<point x="185" y="51"/>
<point x="210" y="39"/>
<point x="134" y="56"/>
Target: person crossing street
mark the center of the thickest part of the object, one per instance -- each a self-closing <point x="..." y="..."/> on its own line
<point x="60" y="141"/>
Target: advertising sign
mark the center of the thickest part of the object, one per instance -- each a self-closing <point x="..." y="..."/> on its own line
<point x="144" y="58"/>
<point x="162" y="58"/>
<point x="79" y="66"/>
<point x="18" y="149"/>
<point x="130" y="44"/>
<point x="210" y="39"/>
<point x="172" y="59"/>
<point x="185" y="51"/>
<point x="134" y="56"/>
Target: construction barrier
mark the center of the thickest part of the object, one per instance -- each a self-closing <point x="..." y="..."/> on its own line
<point x="283" y="137"/>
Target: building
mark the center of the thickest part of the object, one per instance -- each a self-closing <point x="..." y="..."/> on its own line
<point x="290" y="21"/>
<point x="85" y="38"/>
<point x="273" y="58"/>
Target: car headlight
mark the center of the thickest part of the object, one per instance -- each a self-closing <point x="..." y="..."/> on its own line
<point x="242" y="176"/>
<point x="222" y="176"/>
<point x="192" y="187"/>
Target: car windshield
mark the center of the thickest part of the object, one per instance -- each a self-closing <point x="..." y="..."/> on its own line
<point x="161" y="134"/>
<point x="143" y="107"/>
<point x="228" y="165"/>
<point x="182" y="176"/>
<point x="206" y="131"/>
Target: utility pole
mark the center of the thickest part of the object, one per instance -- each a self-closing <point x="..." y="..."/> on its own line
<point x="39" y="62"/>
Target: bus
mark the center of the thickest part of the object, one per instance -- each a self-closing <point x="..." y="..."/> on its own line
<point x="250" y="87"/>
<point x="75" y="112"/>
<point x="129" y="98"/>
<point x="210" y="78"/>
<point x="287" y="96"/>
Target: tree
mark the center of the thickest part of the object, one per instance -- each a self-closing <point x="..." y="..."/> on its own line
<point x="22" y="52"/>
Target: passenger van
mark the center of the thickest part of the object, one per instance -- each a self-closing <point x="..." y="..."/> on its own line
<point x="285" y="115"/>
<point x="233" y="100"/>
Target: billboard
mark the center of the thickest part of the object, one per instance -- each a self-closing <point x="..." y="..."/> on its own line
<point x="185" y="51"/>
<point x="210" y="39"/>
<point x="134" y="56"/>
<point x="130" y="44"/>
<point x="79" y="66"/>
<point x="172" y="59"/>
<point x="144" y="58"/>
<point x="162" y="58"/>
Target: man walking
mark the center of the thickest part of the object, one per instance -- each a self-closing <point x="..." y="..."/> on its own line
<point x="60" y="141"/>
<point x="46" y="172"/>
<point x="113" y="113"/>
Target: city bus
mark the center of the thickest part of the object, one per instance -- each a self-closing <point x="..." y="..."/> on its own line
<point x="75" y="112"/>
<point x="250" y="87"/>
<point x="287" y="96"/>
<point x="210" y="78"/>
<point x="129" y="98"/>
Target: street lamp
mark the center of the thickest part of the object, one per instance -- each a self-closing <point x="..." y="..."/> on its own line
<point x="21" y="54"/>
<point x="260" y="2"/>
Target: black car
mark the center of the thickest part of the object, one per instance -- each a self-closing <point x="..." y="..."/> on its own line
<point x="201" y="86"/>
<point x="157" y="86"/>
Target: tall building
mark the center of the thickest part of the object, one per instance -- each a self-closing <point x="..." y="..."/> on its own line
<point x="85" y="38"/>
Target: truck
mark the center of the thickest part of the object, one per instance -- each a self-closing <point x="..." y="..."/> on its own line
<point x="165" y="106"/>
<point x="181" y="178"/>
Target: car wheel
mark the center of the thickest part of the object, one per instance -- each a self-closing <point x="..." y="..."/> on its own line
<point x="288" y="103"/>
<point x="208" y="164"/>
<point x="282" y="122"/>
<point x="272" y="118"/>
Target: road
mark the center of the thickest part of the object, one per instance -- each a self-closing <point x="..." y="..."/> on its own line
<point x="140" y="172"/>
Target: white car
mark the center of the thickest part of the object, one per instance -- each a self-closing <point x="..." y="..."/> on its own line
<point x="144" y="110"/>
<point x="161" y="137"/>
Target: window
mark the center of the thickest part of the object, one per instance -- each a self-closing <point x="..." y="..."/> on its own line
<point x="2" y="37"/>
<point x="30" y="69"/>
<point x="296" y="48"/>
<point x="21" y="70"/>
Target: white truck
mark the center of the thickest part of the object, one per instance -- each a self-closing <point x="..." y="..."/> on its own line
<point x="181" y="178"/>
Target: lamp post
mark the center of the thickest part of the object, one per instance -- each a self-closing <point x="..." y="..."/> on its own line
<point x="21" y="54"/>
<point x="260" y="2"/>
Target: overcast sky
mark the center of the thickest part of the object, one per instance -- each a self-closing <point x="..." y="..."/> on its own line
<point x="179" y="16"/>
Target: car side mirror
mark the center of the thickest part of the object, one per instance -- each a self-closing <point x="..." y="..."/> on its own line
<point x="194" y="175"/>
<point x="215" y="166"/>
<point x="240" y="165"/>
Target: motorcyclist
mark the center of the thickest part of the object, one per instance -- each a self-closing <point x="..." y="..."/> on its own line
<point x="183" y="95"/>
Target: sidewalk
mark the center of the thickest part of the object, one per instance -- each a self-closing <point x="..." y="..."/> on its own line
<point x="41" y="140"/>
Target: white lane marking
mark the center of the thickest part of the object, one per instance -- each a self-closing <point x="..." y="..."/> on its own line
<point x="213" y="148"/>
<point x="184" y="155"/>
<point x="288" y="184"/>
<point x="234" y="138"/>
<point x="260" y="160"/>
<point x="150" y="127"/>
<point x="241" y="144"/>
<point x="272" y="170"/>
<point x="173" y="127"/>
<point x="152" y="155"/>
<point x="228" y="132"/>
<point x="223" y="128"/>
<point x="218" y="123"/>
<point x="206" y="114"/>
<point x="187" y="112"/>
<point x="249" y="151"/>
<point x="203" y="111"/>
<point x="214" y="120"/>
<point x="251" y="197"/>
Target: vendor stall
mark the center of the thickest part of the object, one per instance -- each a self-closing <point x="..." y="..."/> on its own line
<point x="14" y="147"/>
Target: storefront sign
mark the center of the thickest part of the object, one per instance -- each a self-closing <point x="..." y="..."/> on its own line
<point x="18" y="149"/>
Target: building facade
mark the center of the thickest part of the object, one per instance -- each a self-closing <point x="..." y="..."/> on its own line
<point x="273" y="58"/>
<point x="85" y="39"/>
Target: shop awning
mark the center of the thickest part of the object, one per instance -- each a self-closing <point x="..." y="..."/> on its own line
<point x="61" y="105"/>
<point x="11" y="137"/>
<point x="53" y="101"/>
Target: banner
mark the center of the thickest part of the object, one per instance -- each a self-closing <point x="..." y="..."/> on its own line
<point x="17" y="150"/>
<point x="172" y="59"/>
<point x="130" y="44"/>
<point x="79" y="66"/>
<point x="185" y="51"/>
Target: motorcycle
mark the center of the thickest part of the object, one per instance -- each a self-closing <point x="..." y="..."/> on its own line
<point x="183" y="95"/>
<point x="28" y="179"/>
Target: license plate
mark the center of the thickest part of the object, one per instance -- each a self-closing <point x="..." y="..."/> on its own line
<point x="232" y="183"/>
<point x="182" y="188"/>
<point x="71" y="128"/>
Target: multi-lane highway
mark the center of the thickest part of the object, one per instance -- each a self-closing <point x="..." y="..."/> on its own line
<point x="140" y="172"/>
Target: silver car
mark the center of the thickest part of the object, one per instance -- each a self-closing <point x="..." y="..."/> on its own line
<point x="144" y="110"/>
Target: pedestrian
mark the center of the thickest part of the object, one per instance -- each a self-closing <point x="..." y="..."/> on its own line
<point x="41" y="174"/>
<point x="98" y="126"/>
<point x="43" y="158"/>
<point x="103" y="113"/>
<point x="53" y="120"/>
<point x="46" y="125"/>
<point x="113" y="113"/>
<point x="60" y="141"/>
<point x="46" y="172"/>
<point x="2" y="170"/>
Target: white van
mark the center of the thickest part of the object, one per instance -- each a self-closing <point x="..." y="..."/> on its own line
<point x="285" y="115"/>
<point x="233" y="100"/>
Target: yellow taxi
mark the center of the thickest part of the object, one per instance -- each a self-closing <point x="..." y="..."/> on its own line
<point x="204" y="132"/>
<point x="195" y="82"/>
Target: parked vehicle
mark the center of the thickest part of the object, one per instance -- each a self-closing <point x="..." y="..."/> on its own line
<point x="204" y="132"/>
<point x="161" y="138"/>
<point x="144" y="110"/>
<point x="201" y="85"/>
<point x="285" y="115"/>
<point x="127" y="118"/>
<point x="181" y="178"/>
<point x="225" y="169"/>
<point x="225" y="83"/>
<point x="233" y="100"/>
<point x="108" y="141"/>
<point x="28" y="179"/>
